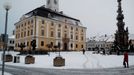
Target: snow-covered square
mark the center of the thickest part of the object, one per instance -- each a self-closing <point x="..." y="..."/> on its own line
<point x="74" y="60"/>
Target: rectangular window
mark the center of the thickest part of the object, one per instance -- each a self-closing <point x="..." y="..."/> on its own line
<point x="27" y="43"/>
<point x="28" y="22"/>
<point x="25" y="34"/>
<point x="71" y="28"/>
<point x="42" y="32"/>
<point x="82" y="38"/>
<point x="42" y="43"/>
<point x="76" y="29"/>
<point x="16" y="36"/>
<point x="10" y="42"/>
<point x="13" y="42"/>
<point x="65" y="35"/>
<point x="28" y="33"/>
<point x="43" y="22"/>
<point x="76" y="46"/>
<point x="16" y="45"/>
<point x="21" y="34"/>
<point x="59" y="34"/>
<point x="81" y="46"/>
<point x="52" y="34"/>
<point x="59" y="25"/>
<point x="52" y="23"/>
<point x="71" y="36"/>
<point x="32" y="21"/>
<point x="76" y="37"/>
<point x="31" y="32"/>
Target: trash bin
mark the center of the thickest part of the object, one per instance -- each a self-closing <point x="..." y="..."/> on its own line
<point x="29" y="59"/>
<point x="59" y="61"/>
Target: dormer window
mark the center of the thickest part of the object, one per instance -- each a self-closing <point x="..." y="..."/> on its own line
<point x="76" y="23"/>
<point x="55" y="1"/>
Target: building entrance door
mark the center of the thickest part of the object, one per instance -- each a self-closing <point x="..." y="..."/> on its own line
<point x="65" y="47"/>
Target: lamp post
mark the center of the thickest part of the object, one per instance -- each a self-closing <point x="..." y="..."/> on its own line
<point x="7" y="8"/>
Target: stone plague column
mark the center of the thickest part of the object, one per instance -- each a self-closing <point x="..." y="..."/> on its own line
<point x="121" y="35"/>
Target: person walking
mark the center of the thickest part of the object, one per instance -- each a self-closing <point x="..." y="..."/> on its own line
<point x="125" y="61"/>
<point x="83" y="51"/>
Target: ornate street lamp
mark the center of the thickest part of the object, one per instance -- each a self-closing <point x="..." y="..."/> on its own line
<point x="7" y="7"/>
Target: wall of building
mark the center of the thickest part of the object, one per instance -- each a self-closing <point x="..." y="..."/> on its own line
<point x="49" y="31"/>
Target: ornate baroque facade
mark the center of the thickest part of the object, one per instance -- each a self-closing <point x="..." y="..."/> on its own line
<point x="49" y="27"/>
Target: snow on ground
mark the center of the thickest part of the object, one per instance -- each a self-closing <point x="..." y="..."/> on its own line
<point x="75" y="60"/>
<point x="5" y="73"/>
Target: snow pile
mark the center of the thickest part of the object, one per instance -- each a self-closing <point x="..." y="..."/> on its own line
<point x="75" y="60"/>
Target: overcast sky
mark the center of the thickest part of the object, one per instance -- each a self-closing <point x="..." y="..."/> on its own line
<point x="99" y="16"/>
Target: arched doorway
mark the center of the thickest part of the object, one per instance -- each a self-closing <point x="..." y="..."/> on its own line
<point x="65" y="46"/>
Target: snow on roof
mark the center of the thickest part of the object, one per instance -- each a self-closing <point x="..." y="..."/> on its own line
<point x="103" y="38"/>
<point x="12" y="37"/>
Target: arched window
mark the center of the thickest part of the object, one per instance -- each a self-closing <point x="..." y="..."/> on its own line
<point x="71" y="45"/>
<point x="59" y="45"/>
<point x="42" y="43"/>
<point x="51" y="43"/>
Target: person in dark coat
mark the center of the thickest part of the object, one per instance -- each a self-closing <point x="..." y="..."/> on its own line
<point x="83" y="51"/>
<point x="125" y="62"/>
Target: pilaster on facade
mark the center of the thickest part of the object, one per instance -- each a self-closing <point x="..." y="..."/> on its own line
<point x="61" y="26"/>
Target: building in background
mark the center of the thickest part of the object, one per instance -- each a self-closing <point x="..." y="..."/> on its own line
<point x="103" y="42"/>
<point x="50" y="28"/>
<point x="1" y="43"/>
<point x="131" y="37"/>
<point x="11" y="42"/>
<point x="131" y="42"/>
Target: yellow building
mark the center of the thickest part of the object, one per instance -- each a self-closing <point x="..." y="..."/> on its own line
<point x="1" y="44"/>
<point x="50" y="27"/>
